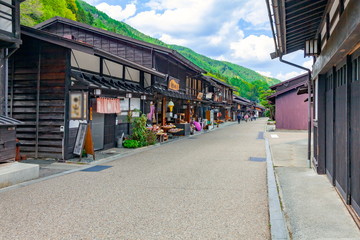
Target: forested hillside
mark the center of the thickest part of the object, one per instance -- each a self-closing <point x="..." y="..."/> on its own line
<point x="247" y="82"/>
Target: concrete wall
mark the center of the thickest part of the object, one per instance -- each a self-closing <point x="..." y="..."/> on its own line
<point x="291" y="111"/>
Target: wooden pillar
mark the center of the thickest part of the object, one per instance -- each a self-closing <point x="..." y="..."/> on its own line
<point x="187" y="113"/>
<point x="38" y="104"/>
<point x="321" y="126"/>
<point x="163" y="111"/>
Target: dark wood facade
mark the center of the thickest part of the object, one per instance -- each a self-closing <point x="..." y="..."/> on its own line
<point x="43" y="73"/>
<point x="37" y="77"/>
<point x="9" y="42"/>
<point x="8" y="139"/>
<point x="335" y="79"/>
<point x="162" y="59"/>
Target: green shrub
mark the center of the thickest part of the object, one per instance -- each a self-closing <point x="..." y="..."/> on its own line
<point x="141" y="136"/>
<point x="150" y="137"/>
<point x="130" y="143"/>
<point x="139" y="130"/>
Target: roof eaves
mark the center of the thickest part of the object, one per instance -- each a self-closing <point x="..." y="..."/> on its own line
<point x="68" y="43"/>
<point x="162" y="49"/>
<point x="287" y="81"/>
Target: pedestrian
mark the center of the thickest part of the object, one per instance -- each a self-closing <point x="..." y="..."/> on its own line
<point x="246" y="117"/>
<point x="238" y="117"/>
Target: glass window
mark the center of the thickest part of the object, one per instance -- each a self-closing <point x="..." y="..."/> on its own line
<point x="147" y="80"/>
<point x="132" y="74"/>
<point x="112" y="69"/>
<point x="85" y="61"/>
<point x="6" y="15"/>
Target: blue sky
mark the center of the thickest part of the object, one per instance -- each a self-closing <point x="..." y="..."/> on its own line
<point x="237" y="31"/>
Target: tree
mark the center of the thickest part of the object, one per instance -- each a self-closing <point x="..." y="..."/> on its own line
<point x="270" y="112"/>
<point x="31" y="12"/>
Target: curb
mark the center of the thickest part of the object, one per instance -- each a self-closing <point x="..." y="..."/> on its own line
<point x="277" y="221"/>
<point x="104" y="160"/>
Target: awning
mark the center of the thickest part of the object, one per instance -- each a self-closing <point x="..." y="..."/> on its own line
<point x="108" y="83"/>
<point x="7" y="121"/>
<point x="296" y="22"/>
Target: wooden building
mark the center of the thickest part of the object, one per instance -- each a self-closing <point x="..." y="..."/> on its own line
<point x="241" y="104"/>
<point x="56" y="83"/>
<point x="329" y="31"/>
<point x="183" y="75"/>
<point x="220" y="96"/>
<point x="9" y="43"/>
<point x="291" y="110"/>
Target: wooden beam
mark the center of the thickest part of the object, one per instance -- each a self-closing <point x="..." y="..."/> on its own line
<point x="38" y="102"/>
<point x="163" y="111"/>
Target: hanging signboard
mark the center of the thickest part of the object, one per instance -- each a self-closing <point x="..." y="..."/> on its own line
<point x="200" y="95"/>
<point x="174" y="84"/>
<point x="209" y="95"/>
<point x="80" y="139"/>
<point x="78" y="105"/>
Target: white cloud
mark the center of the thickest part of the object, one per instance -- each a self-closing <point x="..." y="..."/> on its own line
<point x="229" y="30"/>
<point x="221" y="58"/>
<point x="308" y="64"/>
<point x="116" y="11"/>
<point x="289" y="75"/>
<point x="92" y="2"/>
<point x="170" y="40"/>
<point x="266" y="74"/>
<point x="253" y="48"/>
<point x="254" y="12"/>
<point x="175" y="18"/>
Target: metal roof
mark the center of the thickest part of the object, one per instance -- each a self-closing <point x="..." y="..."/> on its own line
<point x="169" y="93"/>
<point x="290" y="82"/>
<point x="297" y="21"/>
<point x="113" y="35"/>
<point x="108" y="83"/>
<point x="214" y="81"/>
<point x="84" y="47"/>
<point x="7" y="121"/>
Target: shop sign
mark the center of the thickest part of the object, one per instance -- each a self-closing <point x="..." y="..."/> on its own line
<point x="208" y="95"/>
<point x="174" y="84"/>
<point x="78" y="105"/>
<point x="200" y="95"/>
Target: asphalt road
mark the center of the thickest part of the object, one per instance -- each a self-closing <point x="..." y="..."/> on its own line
<point x="204" y="187"/>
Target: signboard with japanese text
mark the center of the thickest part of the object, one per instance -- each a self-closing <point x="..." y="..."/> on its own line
<point x="174" y="84"/>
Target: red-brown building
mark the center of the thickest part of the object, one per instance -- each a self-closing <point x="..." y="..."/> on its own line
<point x="291" y="110"/>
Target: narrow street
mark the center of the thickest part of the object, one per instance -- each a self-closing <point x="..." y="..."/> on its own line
<point x="202" y="187"/>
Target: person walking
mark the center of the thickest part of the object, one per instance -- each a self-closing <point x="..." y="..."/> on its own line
<point x="238" y="117"/>
<point x="246" y="117"/>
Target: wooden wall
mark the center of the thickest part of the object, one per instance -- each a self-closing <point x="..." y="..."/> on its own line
<point x="291" y="111"/>
<point x="7" y="143"/>
<point x="119" y="48"/>
<point x="36" y="97"/>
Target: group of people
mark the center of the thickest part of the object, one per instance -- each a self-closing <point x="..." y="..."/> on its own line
<point x="246" y="117"/>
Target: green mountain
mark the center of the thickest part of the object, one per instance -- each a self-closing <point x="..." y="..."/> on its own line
<point x="247" y="82"/>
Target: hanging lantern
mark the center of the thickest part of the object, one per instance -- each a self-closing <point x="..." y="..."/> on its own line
<point x="171" y="105"/>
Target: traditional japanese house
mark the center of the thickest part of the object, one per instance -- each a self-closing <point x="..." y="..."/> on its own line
<point x="240" y="105"/>
<point x="221" y="96"/>
<point x="291" y="110"/>
<point x="57" y="83"/>
<point x="182" y="85"/>
<point x="330" y="32"/>
<point x="9" y="43"/>
<point x="259" y="111"/>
